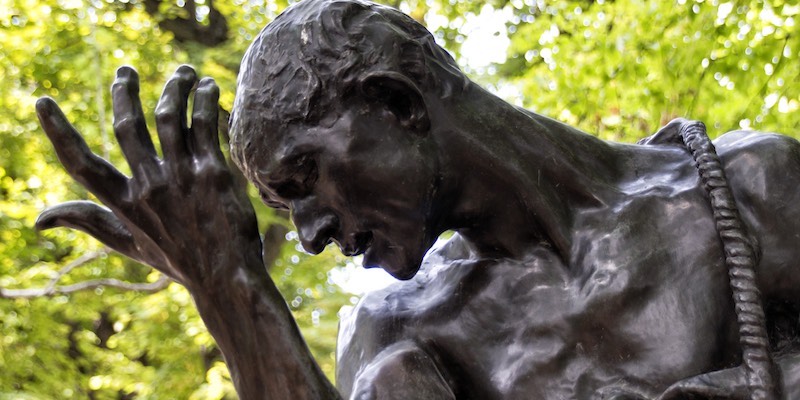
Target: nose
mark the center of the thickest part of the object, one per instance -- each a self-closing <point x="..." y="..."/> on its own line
<point x="315" y="230"/>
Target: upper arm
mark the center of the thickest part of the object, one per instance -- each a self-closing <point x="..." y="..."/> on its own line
<point x="376" y="360"/>
<point x="402" y="371"/>
<point x="763" y="171"/>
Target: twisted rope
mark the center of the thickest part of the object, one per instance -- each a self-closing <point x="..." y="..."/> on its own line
<point x="760" y="371"/>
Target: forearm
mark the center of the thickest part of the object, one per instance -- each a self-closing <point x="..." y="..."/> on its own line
<point x="258" y="336"/>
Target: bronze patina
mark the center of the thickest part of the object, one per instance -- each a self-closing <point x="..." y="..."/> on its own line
<point x="581" y="269"/>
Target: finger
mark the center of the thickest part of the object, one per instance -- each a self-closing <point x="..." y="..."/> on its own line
<point x="224" y="125"/>
<point x="240" y="182"/>
<point x="129" y="123"/>
<point x="225" y="141"/>
<point x="91" y="171"/>
<point x="204" y="121"/>
<point x="171" y="114"/>
<point x="96" y="220"/>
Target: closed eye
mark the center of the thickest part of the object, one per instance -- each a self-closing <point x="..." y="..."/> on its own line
<point x="270" y="202"/>
<point x="301" y="180"/>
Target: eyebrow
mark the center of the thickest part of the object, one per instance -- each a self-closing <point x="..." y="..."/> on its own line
<point x="281" y="166"/>
<point x="283" y="173"/>
<point x="284" y="169"/>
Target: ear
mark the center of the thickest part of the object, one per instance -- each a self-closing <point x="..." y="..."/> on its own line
<point x="400" y="96"/>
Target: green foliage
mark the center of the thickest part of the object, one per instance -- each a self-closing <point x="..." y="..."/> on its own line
<point x="112" y="343"/>
<point x="622" y="69"/>
<point x="616" y="69"/>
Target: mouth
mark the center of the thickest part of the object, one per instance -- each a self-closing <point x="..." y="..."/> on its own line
<point x="358" y="245"/>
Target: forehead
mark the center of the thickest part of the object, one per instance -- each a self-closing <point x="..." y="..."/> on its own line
<point x="273" y="149"/>
<point x="263" y="134"/>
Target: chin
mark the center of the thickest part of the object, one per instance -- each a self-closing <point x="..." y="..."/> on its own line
<point x="399" y="264"/>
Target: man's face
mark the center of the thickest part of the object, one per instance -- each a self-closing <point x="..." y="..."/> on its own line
<point x="363" y="181"/>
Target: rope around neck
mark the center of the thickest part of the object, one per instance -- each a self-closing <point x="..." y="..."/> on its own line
<point x="760" y="371"/>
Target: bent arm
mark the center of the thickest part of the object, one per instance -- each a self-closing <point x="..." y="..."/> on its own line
<point x="402" y="371"/>
<point x="185" y="215"/>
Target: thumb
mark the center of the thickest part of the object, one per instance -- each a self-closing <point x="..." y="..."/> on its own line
<point x="96" y="220"/>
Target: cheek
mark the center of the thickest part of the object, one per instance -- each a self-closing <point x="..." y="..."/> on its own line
<point x="393" y="181"/>
<point x="397" y="208"/>
<point x="379" y="182"/>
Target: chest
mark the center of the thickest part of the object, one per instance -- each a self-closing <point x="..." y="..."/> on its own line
<point x="568" y="341"/>
<point x="631" y="309"/>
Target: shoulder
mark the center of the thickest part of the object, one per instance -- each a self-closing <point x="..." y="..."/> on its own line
<point x="767" y="147"/>
<point x="762" y="164"/>
<point x="442" y="268"/>
<point x="382" y="317"/>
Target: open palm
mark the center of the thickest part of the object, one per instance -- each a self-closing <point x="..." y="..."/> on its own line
<point x="182" y="213"/>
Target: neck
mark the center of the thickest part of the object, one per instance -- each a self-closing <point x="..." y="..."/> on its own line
<point x="516" y="179"/>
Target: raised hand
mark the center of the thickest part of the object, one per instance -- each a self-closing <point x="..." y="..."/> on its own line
<point x="182" y="214"/>
<point x="186" y="215"/>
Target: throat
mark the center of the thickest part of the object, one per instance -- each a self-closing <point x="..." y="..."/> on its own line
<point x="513" y="241"/>
<point x="512" y="224"/>
<point x="523" y="189"/>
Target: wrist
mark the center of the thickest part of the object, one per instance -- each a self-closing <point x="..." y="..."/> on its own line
<point x="229" y="269"/>
<point x="258" y="337"/>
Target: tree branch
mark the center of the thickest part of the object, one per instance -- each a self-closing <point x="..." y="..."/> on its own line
<point x="761" y="92"/>
<point x="150" y="287"/>
<point x="72" y="265"/>
<point x="52" y="288"/>
<point x="190" y="29"/>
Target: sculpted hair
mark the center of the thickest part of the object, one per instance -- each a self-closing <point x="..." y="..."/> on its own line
<point x="309" y="60"/>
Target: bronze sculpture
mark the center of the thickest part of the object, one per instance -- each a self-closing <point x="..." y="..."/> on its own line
<point x="581" y="269"/>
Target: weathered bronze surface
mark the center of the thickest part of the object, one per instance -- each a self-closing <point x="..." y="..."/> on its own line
<point x="581" y="269"/>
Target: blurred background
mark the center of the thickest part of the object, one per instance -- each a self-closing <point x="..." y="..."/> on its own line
<point x="79" y="321"/>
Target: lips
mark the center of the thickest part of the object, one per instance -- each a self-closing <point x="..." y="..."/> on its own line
<point x="358" y="245"/>
<point x="371" y="259"/>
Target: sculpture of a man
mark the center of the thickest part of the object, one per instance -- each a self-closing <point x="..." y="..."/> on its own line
<point x="581" y="269"/>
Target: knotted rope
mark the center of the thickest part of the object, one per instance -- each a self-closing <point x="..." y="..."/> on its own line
<point x="740" y="259"/>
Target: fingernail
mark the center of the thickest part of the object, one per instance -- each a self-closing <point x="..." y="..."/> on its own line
<point x="44" y="104"/>
<point x="125" y="72"/>
<point x="186" y="70"/>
